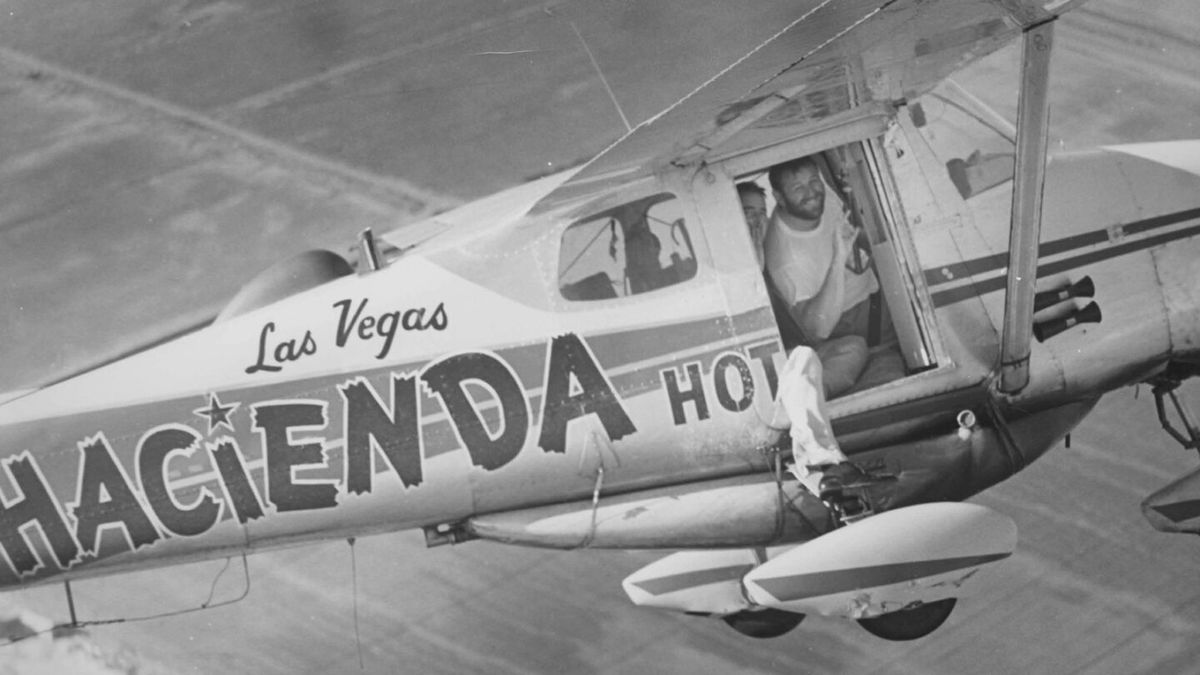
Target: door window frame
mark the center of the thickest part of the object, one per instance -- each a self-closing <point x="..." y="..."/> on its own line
<point x="871" y="129"/>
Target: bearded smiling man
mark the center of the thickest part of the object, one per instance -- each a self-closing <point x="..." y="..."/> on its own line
<point x="806" y="250"/>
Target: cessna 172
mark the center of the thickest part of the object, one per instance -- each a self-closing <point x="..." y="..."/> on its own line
<point x="592" y="359"/>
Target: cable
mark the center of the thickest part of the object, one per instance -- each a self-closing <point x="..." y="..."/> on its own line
<point x="354" y="591"/>
<point x="207" y="604"/>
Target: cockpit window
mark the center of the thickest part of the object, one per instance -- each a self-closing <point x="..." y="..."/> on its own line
<point x="637" y="247"/>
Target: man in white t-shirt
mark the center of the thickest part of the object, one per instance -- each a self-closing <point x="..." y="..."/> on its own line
<point x="806" y="250"/>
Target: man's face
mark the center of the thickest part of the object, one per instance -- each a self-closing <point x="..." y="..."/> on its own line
<point x="802" y="193"/>
<point x="754" y="207"/>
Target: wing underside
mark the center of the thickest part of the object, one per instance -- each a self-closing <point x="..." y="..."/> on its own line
<point x="832" y="57"/>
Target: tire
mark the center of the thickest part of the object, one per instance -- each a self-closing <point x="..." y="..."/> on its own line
<point x="764" y="623"/>
<point x="910" y="624"/>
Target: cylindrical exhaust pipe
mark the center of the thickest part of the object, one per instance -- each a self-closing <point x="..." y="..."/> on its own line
<point x="1048" y="329"/>
<point x="1084" y="288"/>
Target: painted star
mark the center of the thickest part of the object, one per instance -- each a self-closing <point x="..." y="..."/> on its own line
<point x="217" y="414"/>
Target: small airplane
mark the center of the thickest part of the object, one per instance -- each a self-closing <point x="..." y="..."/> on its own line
<point x="592" y="359"/>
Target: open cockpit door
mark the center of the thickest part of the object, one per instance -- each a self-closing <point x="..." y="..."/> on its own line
<point x="885" y="288"/>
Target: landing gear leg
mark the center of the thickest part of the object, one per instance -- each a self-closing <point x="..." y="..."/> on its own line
<point x="1164" y="387"/>
<point x="1176" y="507"/>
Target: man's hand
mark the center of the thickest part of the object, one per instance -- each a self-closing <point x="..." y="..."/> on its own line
<point x="843" y="244"/>
<point x="854" y="258"/>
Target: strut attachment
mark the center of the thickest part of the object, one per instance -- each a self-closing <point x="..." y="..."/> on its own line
<point x="853" y="493"/>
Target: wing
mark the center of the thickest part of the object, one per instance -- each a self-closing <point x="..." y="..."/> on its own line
<point x="830" y="58"/>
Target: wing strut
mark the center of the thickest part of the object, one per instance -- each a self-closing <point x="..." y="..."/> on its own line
<point x="1025" y="230"/>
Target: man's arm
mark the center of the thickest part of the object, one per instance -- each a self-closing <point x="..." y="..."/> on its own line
<point x="818" y="315"/>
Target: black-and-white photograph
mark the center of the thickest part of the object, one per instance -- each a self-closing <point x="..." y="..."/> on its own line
<point x="624" y="336"/>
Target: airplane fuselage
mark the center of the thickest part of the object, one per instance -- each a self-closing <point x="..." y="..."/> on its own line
<point x="459" y="383"/>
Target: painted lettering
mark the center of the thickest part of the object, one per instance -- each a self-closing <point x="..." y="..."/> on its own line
<point x="153" y="453"/>
<point x="260" y="362"/>
<point x="285" y="351"/>
<point x="486" y="405"/>
<point x="439" y="320"/>
<point x="720" y="375"/>
<point x="448" y="379"/>
<point x="34" y="505"/>
<point x="414" y="319"/>
<point x="352" y="322"/>
<point x="387" y="325"/>
<point x="275" y="421"/>
<point x="346" y="322"/>
<point x="370" y="426"/>
<point x="576" y="387"/>
<point x="238" y="487"/>
<point x="105" y="498"/>
<point x="765" y="355"/>
<point x="694" y="394"/>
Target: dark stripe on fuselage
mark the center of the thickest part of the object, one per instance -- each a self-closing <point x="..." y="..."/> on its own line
<point x="440" y="435"/>
<point x="950" y="273"/>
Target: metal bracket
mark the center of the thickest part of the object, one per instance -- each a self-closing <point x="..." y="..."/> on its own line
<point x="369" y="259"/>
<point x="447" y="533"/>
<point x="1164" y="387"/>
